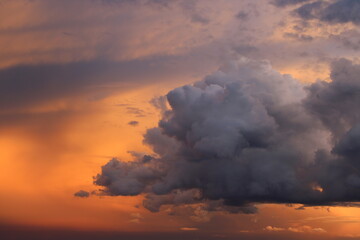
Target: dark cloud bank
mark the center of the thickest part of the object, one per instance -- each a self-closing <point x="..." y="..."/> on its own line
<point x="339" y="11"/>
<point x="247" y="134"/>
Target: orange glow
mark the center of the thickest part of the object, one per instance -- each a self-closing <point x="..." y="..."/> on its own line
<point x="53" y="147"/>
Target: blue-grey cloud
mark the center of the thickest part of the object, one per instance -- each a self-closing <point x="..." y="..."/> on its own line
<point x="133" y="123"/>
<point x="82" y="194"/>
<point x="26" y="86"/>
<point x="284" y="3"/>
<point x="247" y="134"/>
<point x="339" y="11"/>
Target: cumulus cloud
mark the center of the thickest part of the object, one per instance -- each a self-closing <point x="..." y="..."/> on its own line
<point x="340" y="11"/>
<point x="247" y="134"/>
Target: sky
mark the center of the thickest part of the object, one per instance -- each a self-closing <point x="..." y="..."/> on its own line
<point x="180" y="119"/>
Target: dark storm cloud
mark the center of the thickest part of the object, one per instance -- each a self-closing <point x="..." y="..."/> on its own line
<point x="247" y="134"/>
<point x="340" y="11"/>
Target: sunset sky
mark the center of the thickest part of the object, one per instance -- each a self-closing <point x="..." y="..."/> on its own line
<point x="180" y="119"/>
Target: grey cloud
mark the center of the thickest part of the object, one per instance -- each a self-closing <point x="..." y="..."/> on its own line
<point x="310" y="10"/>
<point x="335" y="102"/>
<point x="127" y="179"/>
<point x="247" y="134"/>
<point x="133" y="123"/>
<point x="245" y="49"/>
<point x="340" y="11"/>
<point x="284" y="3"/>
<point x="242" y="15"/>
<point x="348" y="39"/>
<point x="82" y="194"/>
<point x="300" y="37"/>
<point x="349" y="147"/>
<point x="136" y="111"/>
<point x="30" y="85"/>
<point x="189" y="7"/>
<point x="24" y="86"/>
<point x="157" y="2"/>
<point x="160" y="103"/>
<point x="141" y="157"/>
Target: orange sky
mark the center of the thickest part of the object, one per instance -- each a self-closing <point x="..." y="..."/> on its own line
<point x="42" y="170"/>
<point x="54" y="141"/>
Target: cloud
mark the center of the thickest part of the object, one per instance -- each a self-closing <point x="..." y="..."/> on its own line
<point x="189" y="229"/>
<point x="284" y="3"/>
<point x="296" y="229"/>
<point x="274" y="229"/>
<point x="334" y="102"/>
<point x="247" y="134"/>
<point x="27" y="86"/>
<point x="133" y="123"/>
<point x="300" y="37"/>
<point x="304" y="229"/>
<point x="136" y="111"/>
<point x="82" y="194"/>
<point x="136" y="217"/>
<point x="340" y="11"/>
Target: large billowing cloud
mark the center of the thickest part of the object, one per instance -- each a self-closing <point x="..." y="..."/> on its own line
<point x="247" y="134"/>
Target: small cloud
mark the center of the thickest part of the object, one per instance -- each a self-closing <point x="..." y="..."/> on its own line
<point x="122" y="105"/>
<point x="197" y="18"/>
<point x="189" y="229"/>
<point x="274" y="229"/>
<point x="299" y="37"/>
<point x="306" y="229"/>
<point x="133" y="123"/>
<point x="135" y="220"/>
<point x="82" y="194"/>
<point x="135" y="217"/>
<point x="242" y="15"/>
<point x="136" y="111"/>
<point x="296" y="229"/>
